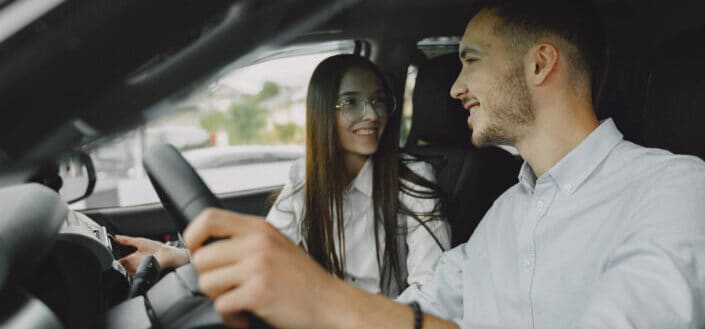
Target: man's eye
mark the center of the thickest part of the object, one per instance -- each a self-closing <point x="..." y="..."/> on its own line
<point x="470" y="60"/>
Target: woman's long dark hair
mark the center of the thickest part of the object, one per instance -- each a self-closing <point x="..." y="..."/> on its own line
<point x="324" y="183"/>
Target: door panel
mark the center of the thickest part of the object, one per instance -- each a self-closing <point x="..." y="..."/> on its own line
<point x="152" y="220"/>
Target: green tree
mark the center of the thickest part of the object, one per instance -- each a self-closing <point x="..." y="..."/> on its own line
<point x="245" y="118"/>
<point x="289" y="133"/>
<point x="269" y="90"/>
<point x="213" y="121"/>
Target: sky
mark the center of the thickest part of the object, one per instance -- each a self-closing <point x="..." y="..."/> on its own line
<point x="291" y="72"/>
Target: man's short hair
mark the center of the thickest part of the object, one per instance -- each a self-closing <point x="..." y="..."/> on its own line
<point x="576" y="22"/>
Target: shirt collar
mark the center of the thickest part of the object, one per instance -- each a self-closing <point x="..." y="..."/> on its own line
<point x="363" y="180"/>
<point x="574" y="168"/>
<point x="527" y="176"/>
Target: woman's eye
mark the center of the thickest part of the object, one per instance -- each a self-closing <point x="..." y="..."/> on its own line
<point x="348" y="101"/>
<point x="470" y="60"/>
<point x="378" y="101"/>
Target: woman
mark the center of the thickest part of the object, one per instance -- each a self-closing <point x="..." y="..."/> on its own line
<point x="367" y="214"/>
<point x="359" y="208"/>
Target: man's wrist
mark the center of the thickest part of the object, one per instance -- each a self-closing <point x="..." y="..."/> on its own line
<point x="353" y="307"/>
<point x="341" y="309"/>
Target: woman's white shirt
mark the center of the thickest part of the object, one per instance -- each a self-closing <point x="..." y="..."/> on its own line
<point x="360" y="259"/>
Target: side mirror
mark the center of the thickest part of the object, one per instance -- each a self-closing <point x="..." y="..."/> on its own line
<point x="77" y="173"/>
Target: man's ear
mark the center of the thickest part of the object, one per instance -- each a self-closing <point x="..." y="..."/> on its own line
<point x="542" y="62"/>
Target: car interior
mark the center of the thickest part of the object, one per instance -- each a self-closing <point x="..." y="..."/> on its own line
<point x="78" y="73"/>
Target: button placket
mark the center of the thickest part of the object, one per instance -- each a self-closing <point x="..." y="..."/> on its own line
<point x="525" y="251"/>
<point x="542" y="199"/>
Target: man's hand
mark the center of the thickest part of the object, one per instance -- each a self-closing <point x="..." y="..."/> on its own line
<point x="167" y="256"/>
<point x="256" y="269"/>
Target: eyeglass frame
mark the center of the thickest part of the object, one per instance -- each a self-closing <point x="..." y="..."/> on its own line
<point x="365" y="103"/>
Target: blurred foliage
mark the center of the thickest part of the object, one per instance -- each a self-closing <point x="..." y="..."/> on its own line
<point x="289" y="132"/>
<point x="245" y="120"/>
<point x="212" y="121"/>
<point x="269" y="90"/>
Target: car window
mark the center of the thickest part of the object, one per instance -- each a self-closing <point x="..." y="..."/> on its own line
<point x="240" y="132"/>
<point x="407" y="106"/>
<point x="436" y="46"/>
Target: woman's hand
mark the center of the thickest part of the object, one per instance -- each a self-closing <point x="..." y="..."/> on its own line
<point x="167" y="256"/>
<point x="256" y="269"/>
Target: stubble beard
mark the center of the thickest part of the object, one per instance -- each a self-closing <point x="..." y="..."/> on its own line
<point x="511" y="114"/>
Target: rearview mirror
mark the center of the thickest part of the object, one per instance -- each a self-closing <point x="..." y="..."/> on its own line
<point x="75" y="168"/>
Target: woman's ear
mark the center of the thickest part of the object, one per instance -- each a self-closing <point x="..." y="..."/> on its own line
<point x="542" y="61"/>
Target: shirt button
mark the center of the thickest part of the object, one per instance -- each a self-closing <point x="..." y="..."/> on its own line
<point x="540" y="204"/>
<point x="568" y="186"/>
<point x="527" y="264"/>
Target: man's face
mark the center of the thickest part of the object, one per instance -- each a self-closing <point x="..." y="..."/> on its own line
<point x="492" y="85"/>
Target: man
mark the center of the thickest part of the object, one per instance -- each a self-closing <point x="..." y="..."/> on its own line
<point x="598" y="233"/>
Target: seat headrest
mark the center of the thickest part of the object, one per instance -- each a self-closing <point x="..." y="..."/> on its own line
<point x="438" y="118"/>
<point x="674" y="111"/>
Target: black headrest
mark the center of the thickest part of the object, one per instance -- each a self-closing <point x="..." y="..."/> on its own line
<point x="438" y="118"/>
<point x="674" y="112"/>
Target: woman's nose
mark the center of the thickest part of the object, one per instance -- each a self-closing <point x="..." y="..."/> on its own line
<point x="368" y="112"/>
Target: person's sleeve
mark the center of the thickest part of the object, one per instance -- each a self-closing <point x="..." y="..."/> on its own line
<point x="656" y="277"/>
<point x="442" y="295"/>
<point x="441" y="292"/>
<point x="283" y="214"/>
<point x="426" y="244"/>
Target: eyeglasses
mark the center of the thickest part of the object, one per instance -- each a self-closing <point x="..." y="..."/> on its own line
<point x="354" y="107"/>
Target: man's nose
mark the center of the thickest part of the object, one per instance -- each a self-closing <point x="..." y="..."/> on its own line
<point x="458" y="89"/>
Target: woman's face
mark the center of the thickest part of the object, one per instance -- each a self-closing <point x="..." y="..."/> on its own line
<point x="360" y="137"/>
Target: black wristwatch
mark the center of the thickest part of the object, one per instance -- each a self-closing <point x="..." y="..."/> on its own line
<point x="418" y="315"/>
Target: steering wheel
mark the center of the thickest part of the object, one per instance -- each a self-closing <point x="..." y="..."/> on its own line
<point x="182" y="192"/>
<point x="174" y="301"/>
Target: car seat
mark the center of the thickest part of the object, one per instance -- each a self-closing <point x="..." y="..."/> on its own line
<point x="674" y="105"/>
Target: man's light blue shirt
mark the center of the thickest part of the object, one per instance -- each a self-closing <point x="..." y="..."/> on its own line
<point x="613" y="236"/>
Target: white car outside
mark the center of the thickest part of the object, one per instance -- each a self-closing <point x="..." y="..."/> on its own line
<point x="224" y="169"/>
